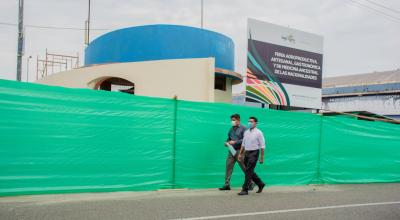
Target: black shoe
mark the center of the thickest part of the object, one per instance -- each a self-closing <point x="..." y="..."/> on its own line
<point x="252" y="185"/>
<point x="225" y="188"/>
<point x="243" y="193"/>
<point x="260" y="188"/>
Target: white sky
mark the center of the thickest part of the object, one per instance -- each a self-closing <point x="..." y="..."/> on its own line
<point x="356" y="39"/>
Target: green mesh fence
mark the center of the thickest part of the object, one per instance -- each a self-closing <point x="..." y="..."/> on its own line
<point x="64" y="140"/>
<point x="292" y="141"/>
<point x="58" y="140"/>
<point x="356" y="151"/>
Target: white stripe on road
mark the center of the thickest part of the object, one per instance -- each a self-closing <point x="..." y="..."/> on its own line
<point x="290" y="210"/>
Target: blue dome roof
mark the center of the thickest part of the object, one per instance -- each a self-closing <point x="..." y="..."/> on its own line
<point x="160" y="42"/>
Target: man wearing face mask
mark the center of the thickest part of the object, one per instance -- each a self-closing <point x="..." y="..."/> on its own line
<point x="253" y="143"/>
<point x="235" y="137"/>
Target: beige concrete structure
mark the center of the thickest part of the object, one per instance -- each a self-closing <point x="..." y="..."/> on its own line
<point x="188" y="79"/>
<point x="224" y="96"/>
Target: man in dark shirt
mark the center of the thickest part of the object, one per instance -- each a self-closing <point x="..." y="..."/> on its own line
<point x="235" y="138"/>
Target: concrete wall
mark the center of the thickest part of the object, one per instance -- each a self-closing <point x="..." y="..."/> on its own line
<point x="189" y="79"/>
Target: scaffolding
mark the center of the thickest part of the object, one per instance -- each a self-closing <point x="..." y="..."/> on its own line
<point x="53" y="63"/>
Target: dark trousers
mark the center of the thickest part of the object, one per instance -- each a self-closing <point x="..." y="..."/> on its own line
<point x="250" y="162"/>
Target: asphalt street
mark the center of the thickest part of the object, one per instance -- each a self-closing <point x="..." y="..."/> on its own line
<point x="355" y="202"/>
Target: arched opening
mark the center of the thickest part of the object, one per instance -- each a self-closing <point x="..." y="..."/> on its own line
<point x="116" y="84"/>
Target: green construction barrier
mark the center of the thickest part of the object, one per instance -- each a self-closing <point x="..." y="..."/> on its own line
<point x="292" y="141"/>
<point x="359" y="151"/>
<point x="59" y="140"/>
<point x="76" y="140"/>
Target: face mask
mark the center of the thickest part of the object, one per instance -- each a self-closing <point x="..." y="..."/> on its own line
<point x="251" y="124"/>
<point x="233" y="123"/>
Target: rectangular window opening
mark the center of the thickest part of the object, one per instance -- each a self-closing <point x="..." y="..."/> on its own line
<point x="220" y="83"/>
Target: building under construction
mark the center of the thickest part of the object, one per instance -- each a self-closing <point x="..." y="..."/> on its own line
<point x="54" y="63"/>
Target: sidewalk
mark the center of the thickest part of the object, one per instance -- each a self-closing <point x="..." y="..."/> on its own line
<point x="368" y="201"/>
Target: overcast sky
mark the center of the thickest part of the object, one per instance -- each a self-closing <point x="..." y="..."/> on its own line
<point x="356" y="39"/>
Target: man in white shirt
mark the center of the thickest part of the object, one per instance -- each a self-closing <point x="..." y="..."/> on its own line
<point x="253" y="143"/>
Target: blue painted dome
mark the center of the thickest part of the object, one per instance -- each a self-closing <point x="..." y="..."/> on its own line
<point x="161" y="42"/>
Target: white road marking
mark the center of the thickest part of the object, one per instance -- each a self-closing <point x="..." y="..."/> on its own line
<point x="290" y="210"/>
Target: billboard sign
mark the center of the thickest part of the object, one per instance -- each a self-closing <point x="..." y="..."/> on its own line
<point x="284" y="66"/>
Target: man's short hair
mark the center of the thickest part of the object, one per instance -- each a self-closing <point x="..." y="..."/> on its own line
<point x="254" y="118"/>
<point x="235" y="116"/>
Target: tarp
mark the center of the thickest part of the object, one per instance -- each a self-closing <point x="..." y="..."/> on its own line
<point x="292" y="141"/>
<point x="75" y="140"/>
<point x="59" y="140"/>
<point x="359" y="151"/>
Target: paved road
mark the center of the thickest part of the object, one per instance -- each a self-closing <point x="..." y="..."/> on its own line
<point x="373" y="201"/>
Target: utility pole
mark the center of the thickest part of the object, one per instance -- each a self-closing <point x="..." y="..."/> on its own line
<point x="202" y="12"/>
<point x="87" y="36"/>
<point x="27" y="68"/>
<point x="20" y="38"/>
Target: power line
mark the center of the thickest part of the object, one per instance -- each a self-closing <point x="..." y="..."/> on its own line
<point x="65" y="28"/>
<point x="383" y="6"/>
<point x="7" y="24"/>
<point x="376" y="10"/>
<point x="392" y="18"/>
<point x="56" y="27"/>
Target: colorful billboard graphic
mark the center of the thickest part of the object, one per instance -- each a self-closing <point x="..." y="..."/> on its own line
<point x="284" y="66"/>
